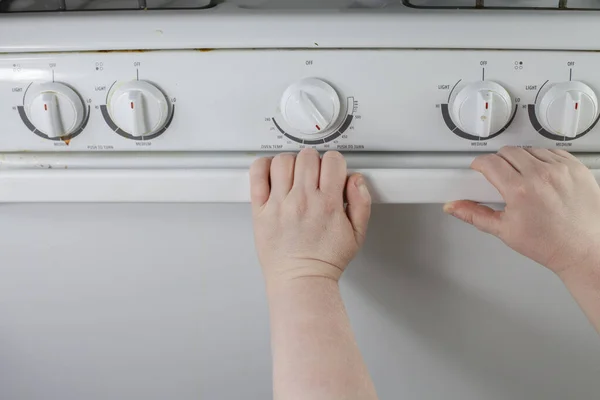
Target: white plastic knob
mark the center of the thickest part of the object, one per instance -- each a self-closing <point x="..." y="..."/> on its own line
<point x="138" y="108"/>
<point x="568" y="109"/>
<point x="310" y="106"/>
<point x="54" y="109"/>
<point x="481" y="109"/>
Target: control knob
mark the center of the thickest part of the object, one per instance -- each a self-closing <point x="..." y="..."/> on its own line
<point x="567" y="109"/>
<point x="310" y="107"/>
<point x="138" y="108"/>
<point x="54" y="109"/>
<point x="481" y="109"/>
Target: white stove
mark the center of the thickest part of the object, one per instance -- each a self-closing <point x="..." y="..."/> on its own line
<point x="166" y="301"/>
<point x="151" y="100"/>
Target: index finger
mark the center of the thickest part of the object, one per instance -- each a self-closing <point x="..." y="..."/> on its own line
<point x="499" y="172"/>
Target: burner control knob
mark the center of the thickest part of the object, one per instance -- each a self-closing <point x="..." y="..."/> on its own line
<point x="54" y="109"/>
<point x="567" y="109"/>
<point x="138" y="108"/>
<point x="310" y="107"/>
<point x="481" y="109"/>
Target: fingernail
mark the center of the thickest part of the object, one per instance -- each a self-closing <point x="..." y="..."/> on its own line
<point x="449" y="208"/>
<point x="362" y="187"/>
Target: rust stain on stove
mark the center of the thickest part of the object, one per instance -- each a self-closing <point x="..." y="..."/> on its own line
<point x="204" y="50"/>
<point x="67" y="141"/>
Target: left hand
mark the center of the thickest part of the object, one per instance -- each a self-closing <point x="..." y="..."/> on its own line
<point x="301" y="226"/>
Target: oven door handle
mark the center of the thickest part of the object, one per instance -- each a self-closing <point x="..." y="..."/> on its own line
<point x="228" y="185"/>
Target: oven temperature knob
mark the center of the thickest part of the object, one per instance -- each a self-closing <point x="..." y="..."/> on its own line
<point x="310" y="106"/>
<point x="138" y="108"/>
<point x="55" y="109"/>
<point x="568" y="109"/>
<point x="481" y="109"/>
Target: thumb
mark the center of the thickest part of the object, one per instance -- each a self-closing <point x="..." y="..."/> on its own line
<point x="359" y="205"/>
<point x="481" y="217"/>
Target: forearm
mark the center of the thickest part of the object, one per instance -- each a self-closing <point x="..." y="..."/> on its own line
<point x="315" y="355"/>
<point x="584" y="285"/>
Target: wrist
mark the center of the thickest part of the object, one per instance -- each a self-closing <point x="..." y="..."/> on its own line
<point x="585" y="273"/>
<point x="296" y="290"/>
<point x="284" y="273"/>
<point x="583" y="282"/>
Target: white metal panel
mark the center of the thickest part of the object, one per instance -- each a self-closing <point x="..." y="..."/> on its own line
<point x="231" y="27"/>
<point x="225" y="100"/>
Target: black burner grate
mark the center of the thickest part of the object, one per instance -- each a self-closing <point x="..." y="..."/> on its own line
<point x="10" y="6"/>
<point x="561" y="5"/>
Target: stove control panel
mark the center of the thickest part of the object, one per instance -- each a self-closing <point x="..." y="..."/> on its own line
<point x="284" y="100"/>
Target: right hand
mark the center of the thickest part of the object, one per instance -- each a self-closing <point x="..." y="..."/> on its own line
<point x="552" y="212"/>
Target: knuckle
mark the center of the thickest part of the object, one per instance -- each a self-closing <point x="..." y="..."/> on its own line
<point x="562" y="152"/>
<point x="469" y="219"/>
<point x="578" y="169"/>
<point x="300" y="209"/>
<point x="506" y="150"/>
<point x="554" y="175"/>
<point x="520" y="192"/>
<point x="498" y="230"/>
<point x="563" y="170"/>
<point x="299" y="197"/>
<point x="546" y="176"/>
<point x="485" y="161"/>
<point x="327" y="210"/>
<point x="538" y="153"/>
<point x="295" y="206"/>
<point x="330" y="205"/>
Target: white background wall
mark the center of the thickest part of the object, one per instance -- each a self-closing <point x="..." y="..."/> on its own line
<point x="167" y="302"/>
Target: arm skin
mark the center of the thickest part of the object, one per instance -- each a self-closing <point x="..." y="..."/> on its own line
<point x="315" y="355"/>
<point x="584" y="285"/>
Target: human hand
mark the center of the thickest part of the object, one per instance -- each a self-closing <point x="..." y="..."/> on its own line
<point x="301" y="227"/>
<point x="552" y="212"/>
